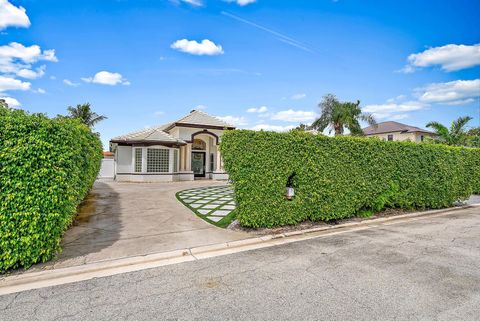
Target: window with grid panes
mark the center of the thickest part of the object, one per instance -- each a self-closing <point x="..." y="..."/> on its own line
<point x="138" y="160"/>
<point x="157" y="160"/>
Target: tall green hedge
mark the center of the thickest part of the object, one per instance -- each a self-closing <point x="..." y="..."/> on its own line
<point x="47" y="167"/>
<point x="341" y="177"/>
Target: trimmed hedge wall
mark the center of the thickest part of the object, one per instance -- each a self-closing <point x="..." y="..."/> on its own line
<point x="47" y="167"/>
<point x="340" y="177"/>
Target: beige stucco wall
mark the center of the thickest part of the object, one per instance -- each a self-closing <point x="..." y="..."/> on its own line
<point x="398" y="136"/>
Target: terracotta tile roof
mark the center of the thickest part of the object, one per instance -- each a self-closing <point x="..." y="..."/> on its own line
<point x="392" y="127"/>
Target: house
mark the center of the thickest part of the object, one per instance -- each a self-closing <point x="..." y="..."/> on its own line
<point x="183" y="150"/>
<point x="394" y="131"/>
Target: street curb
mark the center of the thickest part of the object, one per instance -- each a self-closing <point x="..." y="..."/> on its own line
<point x="35" y="280"/>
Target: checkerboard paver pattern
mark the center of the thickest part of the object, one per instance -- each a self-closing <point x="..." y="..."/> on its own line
<point x="213" y="203"/>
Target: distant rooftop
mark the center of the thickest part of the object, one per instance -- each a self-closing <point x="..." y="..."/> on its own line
<point x="392" y="127"/>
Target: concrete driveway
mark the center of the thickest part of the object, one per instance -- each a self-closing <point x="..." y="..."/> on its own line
<point x="127" y="219"/>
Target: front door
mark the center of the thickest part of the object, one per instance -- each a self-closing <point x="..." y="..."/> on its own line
<point x="198" y="164"/>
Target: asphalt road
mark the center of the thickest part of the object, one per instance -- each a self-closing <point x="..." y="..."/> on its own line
<point x="427" y="269"/>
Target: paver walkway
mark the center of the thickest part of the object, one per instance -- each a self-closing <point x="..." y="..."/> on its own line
<point x="211" y="203"/>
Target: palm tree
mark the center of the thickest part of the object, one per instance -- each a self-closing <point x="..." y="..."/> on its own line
<point x="85" y="114"/>
<point x="3" y="103"/>
<point x="340" y="115"/>
<point x="456" y="135"/>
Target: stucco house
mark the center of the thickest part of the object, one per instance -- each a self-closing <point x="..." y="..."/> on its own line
<point x="394" y="131"/>
<point x="183" y="150"/>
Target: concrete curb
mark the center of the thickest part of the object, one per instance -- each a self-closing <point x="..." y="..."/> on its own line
<point x="35" y="280"/>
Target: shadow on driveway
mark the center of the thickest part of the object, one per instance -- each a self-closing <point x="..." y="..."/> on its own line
<point x="97" y="224"/>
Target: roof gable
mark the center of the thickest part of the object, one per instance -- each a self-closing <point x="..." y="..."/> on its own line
<point x="391" y="127"/>
<point x="152" y="135"/>
<point x="201" y="119"/>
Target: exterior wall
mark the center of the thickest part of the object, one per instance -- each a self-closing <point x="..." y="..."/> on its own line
<point x="123" y="158"/>
<point x="147" y="178"/>
<point x="107" y="169"/>
<point x="398" y="136"/>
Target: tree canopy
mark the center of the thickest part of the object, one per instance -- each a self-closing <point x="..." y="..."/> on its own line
<point x="338" y="116"/>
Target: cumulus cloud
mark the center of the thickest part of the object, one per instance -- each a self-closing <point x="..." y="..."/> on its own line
<point x="7" y="83"/>
<point x="11" y="102"/>
<point x="294" y="116"/>
<point x="275" y="128"/>
<point x="17" y="59"/>
<point x="298" y="96"/>
<point x="393" y="107"/>
<point x="259" y="110"/>
<point x="449" y="57"/>
<point x="384" y="116"/>
<point x="233" y="120"/>
<point x="453" y="92"/>
<point x="206" y="47"/>
<point x="12" y="16"/>
<point x="242" y="2"/>
<point x="70" y="83"/>
<point x="107" y="78"/>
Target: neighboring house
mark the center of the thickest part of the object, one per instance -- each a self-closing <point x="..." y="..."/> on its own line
<point x="179" y="151"/>
<point x="394" y="131"/>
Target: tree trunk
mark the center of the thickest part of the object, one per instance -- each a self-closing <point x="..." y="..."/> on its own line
<point x="338" y="129"/>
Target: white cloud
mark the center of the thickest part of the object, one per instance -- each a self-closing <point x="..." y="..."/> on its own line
<point x="259" y="110"/>
<point x="107" y="78"/>
<point x="385" y="116"/>
<point x="206" y="47"/>
<point x="298" y="96"/>
<point x="11" y="102"/>
<point x="11" y="16"/>
<point x="450" y="57"/>
<point x="195" y="3"/>
<point x="275" y="128"/>
<point x="200" y="107"/>
<point x="294" y="116"/>
<point x="159" y="113"/>
<point x="453" y="92"/>
<point x="17" y="59"/>
<point x="32" y="74"/>
<point x="7" y="83"/>
<point x="392" y="107"/>
<point x="233" y="120"/>
<point x="242" y="2"/>
<point x="461" y="102"/>
<point x="70" y="83"/>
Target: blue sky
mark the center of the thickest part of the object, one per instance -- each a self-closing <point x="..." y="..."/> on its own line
<point x="259" y="64"/>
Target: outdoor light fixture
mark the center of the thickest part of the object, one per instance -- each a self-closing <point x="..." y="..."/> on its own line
<point x="290" y="192"/>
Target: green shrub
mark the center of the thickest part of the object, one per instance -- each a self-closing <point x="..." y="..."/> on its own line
<point x="340" y="177"/>
<point x="47" y="167"/>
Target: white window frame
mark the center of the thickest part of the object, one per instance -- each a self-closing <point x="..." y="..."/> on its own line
<point x="144" y="159"/>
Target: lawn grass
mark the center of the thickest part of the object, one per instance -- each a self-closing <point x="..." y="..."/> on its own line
<point x="223" y="223"/>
